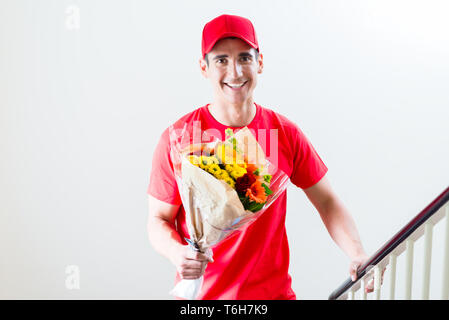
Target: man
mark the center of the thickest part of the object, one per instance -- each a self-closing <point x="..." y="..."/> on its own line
<point x="253" y="264"/>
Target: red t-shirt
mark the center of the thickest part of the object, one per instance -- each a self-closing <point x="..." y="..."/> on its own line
<point x="253" y="264"/>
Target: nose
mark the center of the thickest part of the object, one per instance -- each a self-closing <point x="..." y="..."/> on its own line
<point x="234" y="70"/>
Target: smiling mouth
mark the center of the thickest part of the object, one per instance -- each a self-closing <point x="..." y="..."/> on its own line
<point x="236" y="88"/>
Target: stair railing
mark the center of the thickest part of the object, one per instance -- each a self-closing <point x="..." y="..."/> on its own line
<point x="403" y="241"/>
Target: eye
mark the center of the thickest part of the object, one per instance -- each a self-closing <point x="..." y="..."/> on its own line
<point x="247" y="59"/>
<point x="219" y="60"/>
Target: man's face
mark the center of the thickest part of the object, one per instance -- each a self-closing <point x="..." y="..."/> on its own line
<point x="232" y="70"/>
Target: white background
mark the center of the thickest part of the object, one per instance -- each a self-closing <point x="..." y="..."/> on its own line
<point x="85" y="97"/>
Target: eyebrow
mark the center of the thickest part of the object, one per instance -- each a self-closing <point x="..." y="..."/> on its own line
<point x="242" y="54"/>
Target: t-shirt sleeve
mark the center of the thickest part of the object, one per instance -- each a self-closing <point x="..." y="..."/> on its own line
<point x="308" y="167"/>
<point x="162" y="183"/>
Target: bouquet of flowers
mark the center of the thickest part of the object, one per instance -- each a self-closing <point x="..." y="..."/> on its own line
<point x="224" y="186"/>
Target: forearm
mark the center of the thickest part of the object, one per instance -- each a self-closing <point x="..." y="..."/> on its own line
<point x="164" y="238"/>
<point x="342" y="228"/>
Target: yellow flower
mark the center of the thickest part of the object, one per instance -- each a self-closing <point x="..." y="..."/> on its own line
<point x="243" y="165"/>
<point x="213" y="159"/>
<point x="205" y="162"/>
<point x="194" y="160"/>
<point x="230" y="182"/>
<point x="237" y="172"/>
<point x="223" y="175"/>
<point x="213" y="169"/>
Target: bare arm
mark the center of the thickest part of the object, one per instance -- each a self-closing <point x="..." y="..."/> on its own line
<point x="161" y="228"/>
<point x="339" y="223"/>
<point x="166" y="240"/>
<point x="337" y="219"/>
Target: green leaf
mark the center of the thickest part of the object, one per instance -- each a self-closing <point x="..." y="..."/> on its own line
<point x="267" y="189"/>
<point x="267" y="178"/>
<point x="245" y="201"/>
<point x="254" y="206"/>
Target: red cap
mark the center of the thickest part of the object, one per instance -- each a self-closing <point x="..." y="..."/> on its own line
<point x="228" y="26"/>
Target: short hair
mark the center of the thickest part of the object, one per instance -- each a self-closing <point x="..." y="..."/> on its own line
<point x="207" y="59"/>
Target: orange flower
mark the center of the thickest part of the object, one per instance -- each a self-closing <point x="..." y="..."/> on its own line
<point x="256" y="192"/>
<point x="250" y="167"/>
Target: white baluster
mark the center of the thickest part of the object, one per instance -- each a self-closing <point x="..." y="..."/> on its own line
<point x="427" y="259"/>
<point x="392" y="275"/>
<point x="409" y="269"/>
<point x="377" y="281"/>
<point x="362" y="288"/>
<point x="445" y="295"/>
<point x="351" y="294"/>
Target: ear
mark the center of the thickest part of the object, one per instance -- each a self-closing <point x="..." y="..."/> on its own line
<point x="260" y="63"/>
<point x="203" y="67"/>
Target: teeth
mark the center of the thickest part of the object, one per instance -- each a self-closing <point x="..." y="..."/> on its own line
<point x="236" y="85"/>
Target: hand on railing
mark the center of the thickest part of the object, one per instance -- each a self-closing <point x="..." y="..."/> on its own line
<point x="356" y="264"/>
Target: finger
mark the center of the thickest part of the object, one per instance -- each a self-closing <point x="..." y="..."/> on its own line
<point x="192" y="265"/>
<point x="190" y="276"/>
<point x="203" y="268"/>
<point x="195" y="273"/>
<point x="353" y="272"/>
<point x="189" y="270"/>
<point x="198" y="256"/>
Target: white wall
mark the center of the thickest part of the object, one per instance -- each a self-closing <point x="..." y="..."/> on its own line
<point x="83" y="102"/>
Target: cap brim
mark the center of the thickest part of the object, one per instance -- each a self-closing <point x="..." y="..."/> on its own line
<point x="230" y="34"/>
